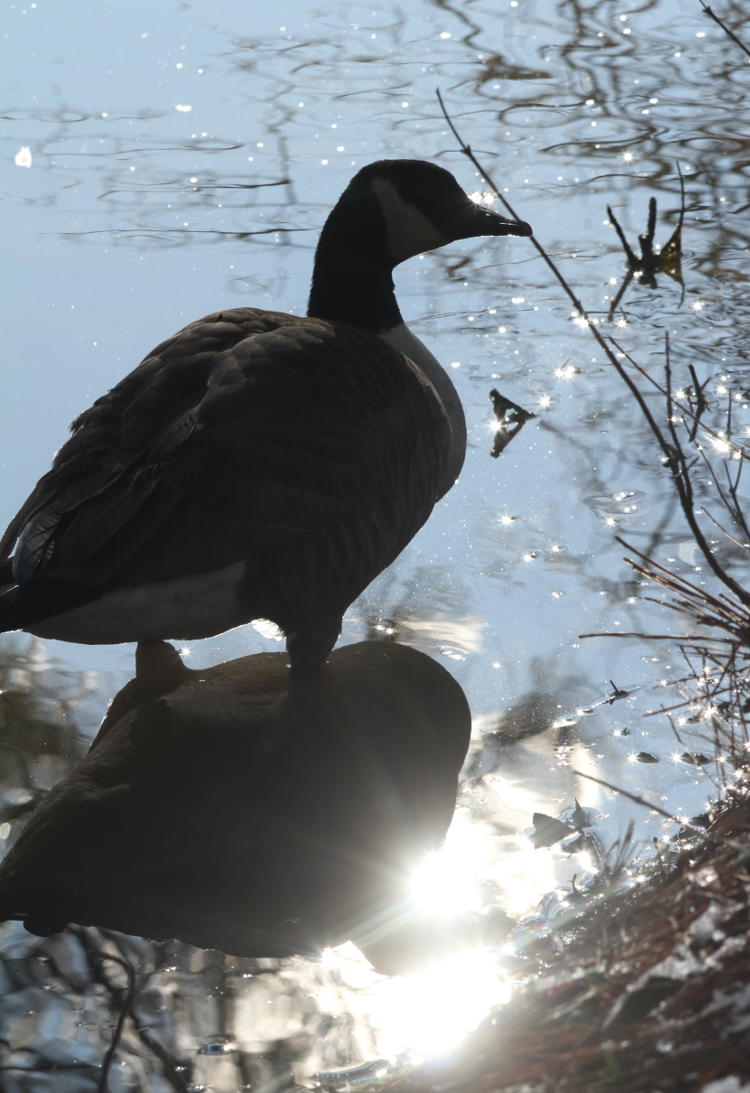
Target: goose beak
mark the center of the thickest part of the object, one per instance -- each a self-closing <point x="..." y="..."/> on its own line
<point x="479" y="220"/>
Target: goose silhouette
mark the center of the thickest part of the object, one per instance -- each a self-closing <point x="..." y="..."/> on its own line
<point x="235" y="810"/>
<point x="257" y="464"/>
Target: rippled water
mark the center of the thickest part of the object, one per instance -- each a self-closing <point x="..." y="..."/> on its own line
<point x="160" y="163"/>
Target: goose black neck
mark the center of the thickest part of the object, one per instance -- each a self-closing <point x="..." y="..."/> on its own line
<point x="352" y="278"/>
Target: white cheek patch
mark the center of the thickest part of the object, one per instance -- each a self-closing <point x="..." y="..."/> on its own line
<point x="409" y="231"/>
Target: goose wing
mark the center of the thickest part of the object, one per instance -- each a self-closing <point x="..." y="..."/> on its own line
<point x="244" y="426"/>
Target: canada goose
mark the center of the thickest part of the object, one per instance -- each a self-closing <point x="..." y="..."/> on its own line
<point x="257" y="464"/>
<point x="214" y="808"/>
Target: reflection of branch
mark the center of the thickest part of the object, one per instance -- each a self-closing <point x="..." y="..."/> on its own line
<point x="125" y="1007"/>
<point x="176" y="1075"/>
<point x="712" y="15"/>
<point x="674" y="456"/>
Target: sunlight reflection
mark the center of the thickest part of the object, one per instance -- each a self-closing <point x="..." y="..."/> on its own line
<point x="267" y="629"/>
<point x="475" y="860"/>
<point x="428" y="1014"/>
<point x="446" y="882"/>
<point x="425" y="1014"/>
<point x="566" y="372"/>
<point x="463" y="634"/>
<point x="720" y="444"/>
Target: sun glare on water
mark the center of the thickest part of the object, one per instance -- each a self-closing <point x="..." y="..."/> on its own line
<point x="447" y="882"/>
<point x="429" y="1012"/>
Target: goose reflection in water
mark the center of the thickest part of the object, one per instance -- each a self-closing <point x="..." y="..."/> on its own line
<point x="236" y="810"/>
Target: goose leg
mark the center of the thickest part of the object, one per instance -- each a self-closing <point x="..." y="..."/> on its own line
<point x="309" y="644"/>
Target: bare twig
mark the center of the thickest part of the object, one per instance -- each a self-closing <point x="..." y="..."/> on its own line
<point x="712" y="15"/>
<point x="686" y="410"/>
<point x="674" y="456"/>
<point x="641" y="801"/>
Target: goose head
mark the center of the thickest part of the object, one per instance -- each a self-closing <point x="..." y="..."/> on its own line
<point x="395" y="209"/>
<point x="422" y="207"/>
<point x="391" y="210"/>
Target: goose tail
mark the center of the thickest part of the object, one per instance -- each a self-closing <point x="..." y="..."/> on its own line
<point x="23" y="605"/>
<point x="10" y="905"/>
<point x="9" y="608"/>
<point x="17" y="904"/>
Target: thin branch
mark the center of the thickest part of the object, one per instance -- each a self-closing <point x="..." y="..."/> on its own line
<point x="686" y="411"/>
<point x="674" y="457"/>
<point x="641" y="801"/>
<point x="692" y="639"/>
<point x="720" y="526"/>
<point x="712" y="15"/>
<point x="672" y="580"/>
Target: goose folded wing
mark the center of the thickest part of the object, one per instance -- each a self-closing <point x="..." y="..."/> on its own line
<point x="109" y="442"/>
<point x="243" y="427"/>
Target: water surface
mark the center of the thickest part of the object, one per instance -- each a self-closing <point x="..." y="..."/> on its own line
<point x="182" y="160"/>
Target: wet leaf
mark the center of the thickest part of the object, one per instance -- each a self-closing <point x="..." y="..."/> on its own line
<point x="548" y="830"/>
<point x="581" y="817"/>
